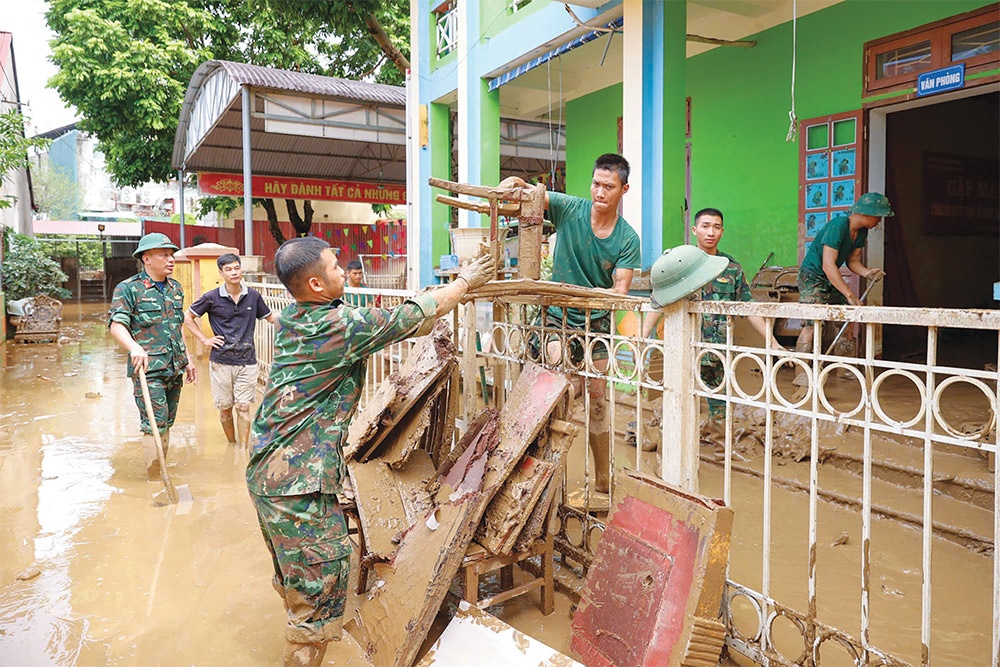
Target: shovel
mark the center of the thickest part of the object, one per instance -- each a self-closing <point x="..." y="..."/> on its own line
<point x="173" y="495"/>
<point x="843" y="328"/>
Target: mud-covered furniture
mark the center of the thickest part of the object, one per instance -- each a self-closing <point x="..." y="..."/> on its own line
<point x="39" y="320"/>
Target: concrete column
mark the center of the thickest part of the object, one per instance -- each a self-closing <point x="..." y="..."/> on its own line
<point x="653" y="131"/>
<point x="680" y="407"/>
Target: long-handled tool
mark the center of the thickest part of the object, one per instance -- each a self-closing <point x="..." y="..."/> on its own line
<point x="843" y="328"/>
<point x="173" y="494"/>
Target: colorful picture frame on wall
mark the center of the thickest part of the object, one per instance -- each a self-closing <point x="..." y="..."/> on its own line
<point x="844" y="163"/>
<point x="817" y="165"/>
<point x="842" y="192"/>
<point x="817" y="195"/>
<point x="814" y="222"/>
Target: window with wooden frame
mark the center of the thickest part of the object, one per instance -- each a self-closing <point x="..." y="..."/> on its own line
<point x="895" y="62"/>
<point x="830" y="171"/>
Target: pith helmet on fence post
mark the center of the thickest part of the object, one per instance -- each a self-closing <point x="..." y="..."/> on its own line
<point x="681" y="271"/>
<point x="153" y="241"/>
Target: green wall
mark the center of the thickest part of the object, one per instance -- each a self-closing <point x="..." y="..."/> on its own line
<point x="591" y="130"/>
<point x="740" y="100"/>
<point x="438" y="116"/>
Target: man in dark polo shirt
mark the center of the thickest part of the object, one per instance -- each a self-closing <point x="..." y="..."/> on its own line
<point x="233" y="310"/>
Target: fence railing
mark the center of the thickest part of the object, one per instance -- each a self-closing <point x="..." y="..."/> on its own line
<point x="889" y="586"/>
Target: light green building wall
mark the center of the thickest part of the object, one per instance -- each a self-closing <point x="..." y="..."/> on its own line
<point x="740" y="100"/>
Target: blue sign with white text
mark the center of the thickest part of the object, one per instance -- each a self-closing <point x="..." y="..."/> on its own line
<point x="939" y="81"/>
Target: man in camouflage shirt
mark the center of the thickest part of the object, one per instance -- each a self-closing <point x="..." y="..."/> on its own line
<point x="296" y="465"/>
<point x="146" y="315"/>
<point x="731" y="285"/>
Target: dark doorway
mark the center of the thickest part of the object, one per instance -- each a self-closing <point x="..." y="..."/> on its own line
<point x="942" y="249"/>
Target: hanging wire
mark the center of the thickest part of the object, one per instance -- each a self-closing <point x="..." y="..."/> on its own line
<point x="793" y="120"/>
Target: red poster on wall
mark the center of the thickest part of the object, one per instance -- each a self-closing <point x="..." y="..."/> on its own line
<point x="231" y="185"/>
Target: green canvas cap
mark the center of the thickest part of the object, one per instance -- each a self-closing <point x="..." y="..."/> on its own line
<point x="152" y="242"/>
<point x="681" y="271"/>
<point x="873" y="203"/>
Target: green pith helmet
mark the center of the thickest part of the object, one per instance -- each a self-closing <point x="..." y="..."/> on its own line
<point x="873" y="203"/>
<point x="681" y="271"/>
<point x="152" y="242"/>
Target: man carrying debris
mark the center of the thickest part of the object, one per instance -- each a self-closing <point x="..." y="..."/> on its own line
<point x="596" y="248"/>
<point x="296" y="465"/>
<point x="840" y="241"/>
<point x="233" y="311"/>
<point x="145" y="318"/>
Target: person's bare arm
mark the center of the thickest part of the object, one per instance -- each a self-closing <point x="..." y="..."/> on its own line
<point x="855" y="265"/>
<point x="623" y="280"/>
<point x="272" y="317"/>
<point x="521" y="183"/>
<point x="195" y="329"/>
<point x="760" y="324"/>
<point x="649" y="323"/>
<point x="833" y="274"/>
<point x="140" y="358"/>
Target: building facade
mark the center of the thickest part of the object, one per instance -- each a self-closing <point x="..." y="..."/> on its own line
<point x="698" y="96"/>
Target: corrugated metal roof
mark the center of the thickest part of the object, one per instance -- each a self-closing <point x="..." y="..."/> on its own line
<point x="212" y="110"/>
<point x="313" y="84"/>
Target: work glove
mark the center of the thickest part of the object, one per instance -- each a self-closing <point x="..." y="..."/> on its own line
<point x="478" y="272"/>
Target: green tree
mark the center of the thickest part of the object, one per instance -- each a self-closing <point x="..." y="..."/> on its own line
<point x="28" y="271"/>
<point x="56" y="194"/>
<point x="14" y="148"/>
<point x="125" y="64"/>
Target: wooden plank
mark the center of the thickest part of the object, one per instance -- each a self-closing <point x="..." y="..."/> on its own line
<point x="472" y="635"/>
<point x="380" y="506"/>
<point x="409" y="433"/>
<point x="431" y="358"/>
<point x="512" y="506"/>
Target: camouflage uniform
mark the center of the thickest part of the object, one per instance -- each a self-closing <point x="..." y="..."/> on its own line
<point x="296" y="466"/>
<point x="154" y="320"/>
<point x="731" y="285"/>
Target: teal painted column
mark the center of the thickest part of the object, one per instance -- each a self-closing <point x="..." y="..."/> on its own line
<point x="440" y="147"/>
<point x="674" y="82"/>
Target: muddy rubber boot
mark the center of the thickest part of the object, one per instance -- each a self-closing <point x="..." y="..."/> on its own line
<point x="652" y="432"/>
<point x="150" y="457"/>
<point x="226" y="418"/>
<point x="303" y="655"/>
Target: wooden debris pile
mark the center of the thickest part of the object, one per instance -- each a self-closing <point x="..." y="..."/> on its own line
<point x="421" y="503"/>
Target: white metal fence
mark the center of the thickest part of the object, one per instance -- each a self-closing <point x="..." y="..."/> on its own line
<point x="894" y="587"/>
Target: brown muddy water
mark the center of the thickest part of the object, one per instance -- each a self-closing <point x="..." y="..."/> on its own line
<point x="107" y="578"/>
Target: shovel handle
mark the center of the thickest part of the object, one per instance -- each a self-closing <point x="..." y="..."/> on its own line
<point x="843" y="327"/>
<point x="168" y="485"/>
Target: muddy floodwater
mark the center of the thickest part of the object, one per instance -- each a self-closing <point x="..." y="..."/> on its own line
<point x="91" y="572"/>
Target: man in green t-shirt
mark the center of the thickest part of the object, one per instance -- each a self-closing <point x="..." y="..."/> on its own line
<point x="840" y="241"/>
<point x="596" y="248"/>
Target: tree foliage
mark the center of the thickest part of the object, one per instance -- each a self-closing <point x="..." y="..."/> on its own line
<point x="125" y="64"/>
<point x="28" y="271"/>
<point x="14" y="147"/>
<point x="57" y="195"/>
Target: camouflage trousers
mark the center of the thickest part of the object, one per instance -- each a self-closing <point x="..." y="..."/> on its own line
<point x="164" y="394"/>
<point x="599" y="350"/>
<point x="311" y="553"/>
<point x="712" y="376"/>
<point x="814" y="288"/>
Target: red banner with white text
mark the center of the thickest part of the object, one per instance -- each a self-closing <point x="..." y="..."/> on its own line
<point x="283" y="187"/>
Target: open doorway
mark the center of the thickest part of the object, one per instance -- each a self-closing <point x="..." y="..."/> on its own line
<point x="942" y="249"/>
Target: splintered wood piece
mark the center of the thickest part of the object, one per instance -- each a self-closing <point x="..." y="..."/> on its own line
<point x="537" y="392"/>
<point x="543" y="292"/>
<point x="512" y="506"/>
<point x="464" y="470"/>
<point x="409" y="433"/>
<point x="560" y="437"/>
<point x="478" y="207"/>
<point x="392" y="623"/>
<point x="429" y="359"/>
<point x="390" y="501"/>
<point x="502" y="192"/>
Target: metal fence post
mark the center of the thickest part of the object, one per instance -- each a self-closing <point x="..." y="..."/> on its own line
<point x="680" y="405"/>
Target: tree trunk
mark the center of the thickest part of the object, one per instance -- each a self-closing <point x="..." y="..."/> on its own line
<point x="272" y="220"/>
<point x="301" y="224"/>
<point x="378" y="33"/>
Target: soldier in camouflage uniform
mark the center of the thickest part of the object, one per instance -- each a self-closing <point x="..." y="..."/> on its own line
<point x="730" y="286"/>
<point x="296" y="465"/>
<point x="146" y="315"/>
